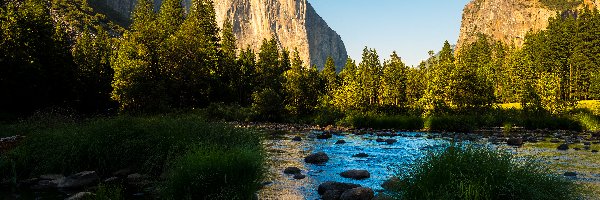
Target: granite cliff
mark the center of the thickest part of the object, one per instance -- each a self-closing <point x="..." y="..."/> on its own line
<point x="510" y="20"/>
<point x="293" y="23"/>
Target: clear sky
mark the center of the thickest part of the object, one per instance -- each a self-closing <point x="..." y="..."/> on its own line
<point x="409" y="27"/>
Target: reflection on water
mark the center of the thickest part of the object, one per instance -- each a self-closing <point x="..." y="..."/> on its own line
<point x="383" y="162"/>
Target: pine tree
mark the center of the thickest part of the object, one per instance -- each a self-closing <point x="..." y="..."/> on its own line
<point x="393" y="82"/>
<point x="330" y="76"/>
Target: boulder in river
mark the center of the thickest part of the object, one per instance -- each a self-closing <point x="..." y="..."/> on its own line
<point x="391" y="141"/>
<point x="341" y="142"/>
<point x="79" y="180"/>
<point x="570" y="174"/>
<point x="291" y="170"/>
<point x="324" y="136"/>
<point x="563" y="147"/>
<point x="356" y="174"/>
<point x="335" y="186"/>
<point x="515" y="141"/>
<point x="299" y="176"/>
<point x="297" y="139"/>
<point x="317" y="158"/>
<point x="359" y="193"/>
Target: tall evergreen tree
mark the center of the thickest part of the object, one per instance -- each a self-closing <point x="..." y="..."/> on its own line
<point x="393" y="82"/>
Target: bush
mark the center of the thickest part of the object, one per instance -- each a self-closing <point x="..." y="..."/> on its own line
<point x="216" y="173"/>
<point x="481" y="173"/>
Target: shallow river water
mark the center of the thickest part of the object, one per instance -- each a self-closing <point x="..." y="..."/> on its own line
<point x="384" y="161"/>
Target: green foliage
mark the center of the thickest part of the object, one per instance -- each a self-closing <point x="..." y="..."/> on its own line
<point x="301" y="84"/>
<point x="94" y="74"/>
<point x="393" y="82"/>
<point x="267" y="105"/>
<point x="480" y="173"/>
<point x="36" y="65"/>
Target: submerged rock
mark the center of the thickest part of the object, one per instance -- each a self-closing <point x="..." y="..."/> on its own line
<point x="361" y="155"/>
<point x="317" y="158"/>
<point x="341" y="142"/>
<point x="391" y="141"/>
<point x="356" y="174"/>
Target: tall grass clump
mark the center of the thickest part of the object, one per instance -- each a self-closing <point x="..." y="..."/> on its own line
<point x="482" y="173"/>
<point x="215" y="173"/>
<point x="150" y="145"/>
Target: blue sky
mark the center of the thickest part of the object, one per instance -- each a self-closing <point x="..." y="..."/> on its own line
<point x="409" y="27"/>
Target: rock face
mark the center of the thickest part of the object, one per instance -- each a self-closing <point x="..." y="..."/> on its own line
<point x="506" y="20"/>
<point x="294" y="24"/>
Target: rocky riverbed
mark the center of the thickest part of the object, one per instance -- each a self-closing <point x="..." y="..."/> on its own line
<point x="367" y="158"/>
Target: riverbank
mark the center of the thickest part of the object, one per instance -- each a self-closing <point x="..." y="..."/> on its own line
<point x="166" y="156"/>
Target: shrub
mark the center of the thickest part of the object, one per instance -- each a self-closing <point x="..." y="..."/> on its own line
<point x="456" y="123"/>
<point x="481" y="173"/>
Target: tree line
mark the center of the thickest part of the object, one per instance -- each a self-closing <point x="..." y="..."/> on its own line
<point x="176" y="58"/>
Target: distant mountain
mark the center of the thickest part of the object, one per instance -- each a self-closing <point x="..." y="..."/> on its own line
<point x="293" y="23"/>
<point x="510" y="20"/>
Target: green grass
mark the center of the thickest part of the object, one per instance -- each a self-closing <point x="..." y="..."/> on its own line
<point x="482" y="173"/>
<point x="149" y="145"/>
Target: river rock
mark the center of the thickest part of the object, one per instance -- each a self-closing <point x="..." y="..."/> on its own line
<point x="391" y="184"/>
<point x="391" y="141"/>
<point x="332" y="185"/>
<point x="356" y="174"/>
<point x="594" y="151"/>
<point x="52" y="177"/>
<point x="79" y="180"/>
<point x="360" y="193"/>
<point x="361" y="155"/>
<point x="122" y="172"/>
<point x="81" y="195"/>
<point x="332" y="195"/>
<point x="317" y="158"/>
<point x="297" y="139"/>
<point x="138" y="180"/>
<point x="379" y="140"/>
<point x="299" y="176"/>
<point x="324" y="136"/>
<point x="570" y="174"/>
<point x="563" y="147"/>
<point x="46" y="184"/>
<point x="515" y="141"/>
<point x="291" y="170"/>
<point x="341" y="142"/>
